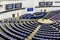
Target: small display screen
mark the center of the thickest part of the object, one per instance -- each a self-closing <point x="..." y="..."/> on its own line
<point x="9" y="7"/>
<point x="29" y="9"/>
<point x="41" y="3"/>
<point x="49" y="3"/>
<point x="18" y="5"/>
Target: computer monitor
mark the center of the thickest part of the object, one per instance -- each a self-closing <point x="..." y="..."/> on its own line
<point x="9" y="7"/>
<point x="41" y="3"/>
<point x="49" y="3"/>
<point x="18" y="5"/>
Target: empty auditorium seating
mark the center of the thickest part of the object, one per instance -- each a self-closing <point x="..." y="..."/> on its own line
<point x="52" y="13"/>
<point x="39" y="13"/>
<point x="56" y="24"/>
<point x="15" y="30"/>
<point x="26" y="16"/>
<point x="35" y="15"/>
<point x="22" y="28"/>
<point x="57" y="17"/>
<point x="46" y="32"/>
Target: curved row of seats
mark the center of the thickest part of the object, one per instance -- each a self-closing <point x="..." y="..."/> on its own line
<point x="52" y="13"/>
<point x="22" y="29"/>
<point x="46" y="32"/>
<point x="56" y="24"/>
<point x="19" y="31"/>
<point x="57" y="17"/>
<point x="36" y="15"/>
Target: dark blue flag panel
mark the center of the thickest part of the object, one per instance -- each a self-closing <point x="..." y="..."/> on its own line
<point x="29" y="9"/>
